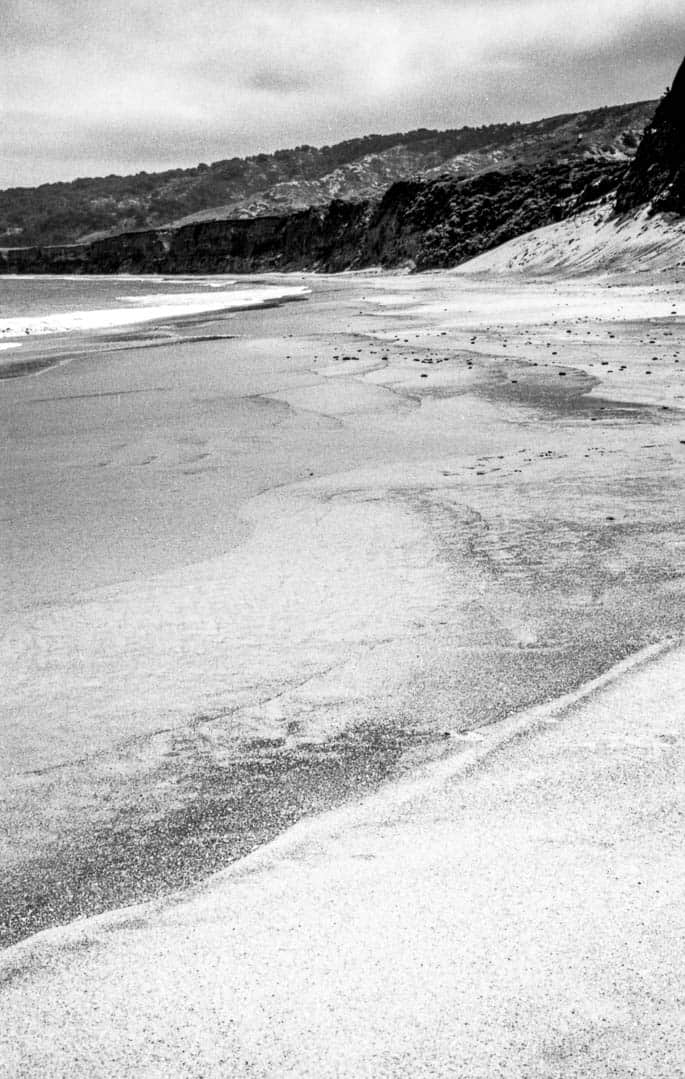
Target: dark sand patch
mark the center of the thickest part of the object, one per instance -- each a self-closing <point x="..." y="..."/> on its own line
<point x="226" y="810"/>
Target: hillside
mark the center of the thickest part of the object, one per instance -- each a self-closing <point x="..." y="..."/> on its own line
<point x="292" y="180"/>
<point x="419" y="224"/>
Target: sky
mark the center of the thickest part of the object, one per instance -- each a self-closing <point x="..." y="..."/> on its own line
<point x="92" y="87"/>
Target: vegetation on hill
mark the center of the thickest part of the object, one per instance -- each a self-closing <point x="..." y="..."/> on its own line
<point x="290" y="180"/>
<point x="443" y="223"/>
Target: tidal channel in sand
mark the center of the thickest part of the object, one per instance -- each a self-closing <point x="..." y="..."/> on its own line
<point x="253" y="572"/>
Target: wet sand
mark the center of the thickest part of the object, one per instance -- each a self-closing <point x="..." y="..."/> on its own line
<point x="256" y="575"/>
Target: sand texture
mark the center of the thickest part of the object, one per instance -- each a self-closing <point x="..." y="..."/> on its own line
<point x="295" y="596"/>
<point x="518" y="912"/>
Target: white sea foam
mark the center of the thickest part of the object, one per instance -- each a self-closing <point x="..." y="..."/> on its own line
<point x="177" y="298"/>
<point x="151" y="309"/>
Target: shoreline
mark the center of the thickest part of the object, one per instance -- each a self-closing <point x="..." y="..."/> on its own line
<point x="184" y="305"/>
<point x="348" y="533"/>
<point x="53" y="340"/>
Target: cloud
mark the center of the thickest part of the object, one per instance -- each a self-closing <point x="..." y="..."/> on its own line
<point x="141" y="84"/>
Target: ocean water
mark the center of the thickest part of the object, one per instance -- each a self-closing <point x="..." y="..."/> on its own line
<point x="47" y="295"/>
<point x="55" y="307"/>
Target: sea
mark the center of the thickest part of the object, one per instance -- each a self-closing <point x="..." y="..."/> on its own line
<point x="39" y="305"/>
<point x="39" y="294"/>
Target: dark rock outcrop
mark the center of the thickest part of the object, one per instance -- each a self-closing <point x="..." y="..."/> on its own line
<point x="657" y="173"/>
<point x="444" y="223"/>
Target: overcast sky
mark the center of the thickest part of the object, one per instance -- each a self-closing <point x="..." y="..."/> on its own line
<point x="91" y="87"/>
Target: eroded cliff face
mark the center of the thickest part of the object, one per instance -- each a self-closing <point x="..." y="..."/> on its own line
<point x="419" y="224"/>
<point x="132" y="252"/>
<point x="327" y="239"/>
<point x="657" y="173"/>
<point x="318" y="239"/>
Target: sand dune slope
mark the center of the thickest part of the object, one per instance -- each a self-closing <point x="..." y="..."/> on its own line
<point x="593" y="241"/>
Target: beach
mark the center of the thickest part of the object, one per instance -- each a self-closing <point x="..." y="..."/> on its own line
<point x="268" y="567"/>
<point x="513" y="911"/>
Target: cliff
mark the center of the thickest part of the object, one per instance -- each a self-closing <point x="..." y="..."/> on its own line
<point x="657" y="173"/>
<point x="420" y="224"/>
<point x="444" y="223"/>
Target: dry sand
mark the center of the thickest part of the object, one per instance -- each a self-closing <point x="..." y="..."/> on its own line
<point x="251" y="579"/>
<point x="595" y="241"/>
<point x="517" y="911"/>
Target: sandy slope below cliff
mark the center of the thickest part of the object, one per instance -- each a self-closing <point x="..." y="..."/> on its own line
<point x="593" y="241"/>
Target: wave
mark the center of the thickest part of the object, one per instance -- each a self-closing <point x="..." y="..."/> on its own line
<point x="150" y="309"/>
